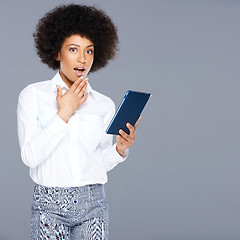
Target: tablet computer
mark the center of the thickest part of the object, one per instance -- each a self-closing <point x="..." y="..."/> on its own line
<point x="128" y="111"/>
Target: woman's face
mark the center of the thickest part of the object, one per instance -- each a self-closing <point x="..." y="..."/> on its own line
<point x="76" y="57"/>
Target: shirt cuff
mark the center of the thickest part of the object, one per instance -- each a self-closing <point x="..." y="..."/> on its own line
<point x="112" y="158"/>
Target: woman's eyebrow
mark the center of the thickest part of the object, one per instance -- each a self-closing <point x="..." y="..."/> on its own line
<point x="73" y="44"/>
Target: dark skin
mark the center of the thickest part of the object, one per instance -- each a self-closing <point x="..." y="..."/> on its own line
<point x="77" y="51"/>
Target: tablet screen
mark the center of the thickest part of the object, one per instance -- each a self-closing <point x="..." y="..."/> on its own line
<point x="128" y="111"/>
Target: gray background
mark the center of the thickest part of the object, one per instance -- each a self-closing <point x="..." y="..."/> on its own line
<point x="181" y="180"/>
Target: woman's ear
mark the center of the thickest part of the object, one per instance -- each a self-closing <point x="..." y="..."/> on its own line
<point x="58" y="57"/>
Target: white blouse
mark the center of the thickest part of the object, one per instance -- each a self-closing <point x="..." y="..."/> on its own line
<point x="61" y="154"/>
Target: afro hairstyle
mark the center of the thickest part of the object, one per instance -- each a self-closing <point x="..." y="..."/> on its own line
<point x="87" y="21"/>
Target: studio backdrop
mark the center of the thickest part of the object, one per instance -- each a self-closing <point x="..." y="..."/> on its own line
<point x="181" y="179"/>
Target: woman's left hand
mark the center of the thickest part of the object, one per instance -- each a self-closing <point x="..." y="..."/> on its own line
<point x="124" y="140"/>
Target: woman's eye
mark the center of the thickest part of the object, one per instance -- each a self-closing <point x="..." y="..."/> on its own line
<point x="73" y="49"/>
<point x="89" y="51"/>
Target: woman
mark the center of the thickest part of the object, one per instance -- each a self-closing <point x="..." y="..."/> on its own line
<point x="62" y="123"/>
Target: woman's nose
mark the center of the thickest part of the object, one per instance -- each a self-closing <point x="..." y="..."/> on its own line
<point x="81" y="58"/>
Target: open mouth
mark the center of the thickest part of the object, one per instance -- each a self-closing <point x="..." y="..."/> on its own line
<point x="79" y="70"/>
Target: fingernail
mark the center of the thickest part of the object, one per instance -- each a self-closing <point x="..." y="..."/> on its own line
<point x="81" y="77"/>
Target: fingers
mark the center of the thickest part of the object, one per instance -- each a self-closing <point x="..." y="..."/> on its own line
<point x="80" y="84"/>
<point x="59" y="91"/>
<point x="75" y="84"/>
<point x="135" y="126"/>
<point x="128" y="137"/>
<point x="83" y="99"/>
<point x="81" y="92"/>
<point x="123" y="141"/>
<point x="132" y="132"/>
<point x="79" y="87"/>
<point x="123" y="144"/>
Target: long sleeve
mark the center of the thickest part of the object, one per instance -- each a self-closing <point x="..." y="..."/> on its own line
<point x="110" y="155"/>
<point x="36" y="144"/>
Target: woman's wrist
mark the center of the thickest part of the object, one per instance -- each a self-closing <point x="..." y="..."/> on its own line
<point x="63" y="116"/>
<point x="119" y="150"/>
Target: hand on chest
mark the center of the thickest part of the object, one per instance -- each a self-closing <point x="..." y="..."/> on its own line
<point x="85" y="125"/>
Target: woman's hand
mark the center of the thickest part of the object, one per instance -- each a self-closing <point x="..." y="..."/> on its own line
<point x="124" y="140"/>
<point x="71" y="100"/>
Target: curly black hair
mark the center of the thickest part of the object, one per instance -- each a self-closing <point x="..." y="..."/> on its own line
<point x="66" y="20"/>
